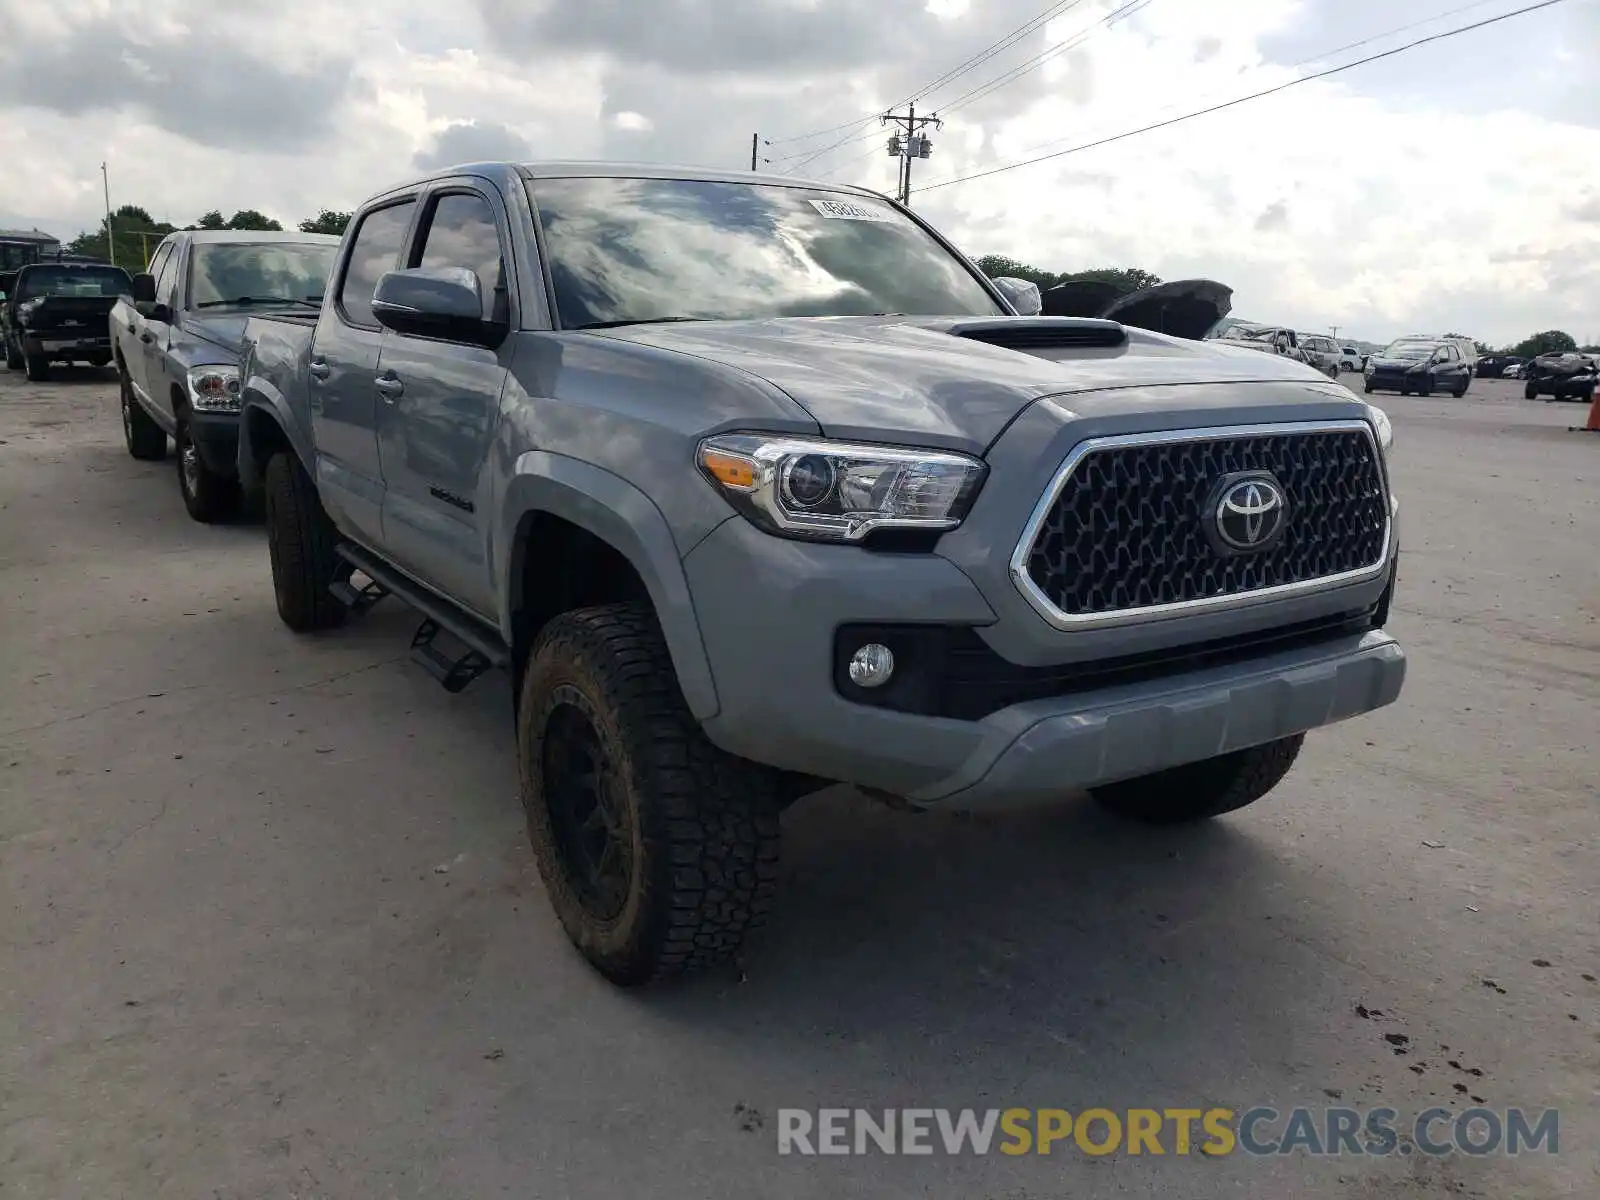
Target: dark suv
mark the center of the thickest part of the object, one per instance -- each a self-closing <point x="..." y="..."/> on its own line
<point x="59" y="312"/>
<point x="1420" y="365"/>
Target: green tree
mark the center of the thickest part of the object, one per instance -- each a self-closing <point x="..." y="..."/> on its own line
<point x="326" y="221"/>
<point x="135" y="236"/>
<point x="211" y="220"/>
<point x="1551" y="341"/>
<point x="249" y="218"/>
<point x="1126" y="279"/>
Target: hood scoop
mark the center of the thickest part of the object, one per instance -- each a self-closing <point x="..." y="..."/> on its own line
<point x="1029" y="334"/>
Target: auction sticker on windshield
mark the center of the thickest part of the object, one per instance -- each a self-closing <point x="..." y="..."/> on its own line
<point x="844" y="210"/>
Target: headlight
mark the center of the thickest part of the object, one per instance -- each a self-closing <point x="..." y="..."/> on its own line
<point x="839" y="491"/>
<point x="214" y="389"/>
<point x="1383" y="427"/>
<point x="27" y="308"/>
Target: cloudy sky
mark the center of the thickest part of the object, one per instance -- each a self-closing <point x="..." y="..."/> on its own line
<point x="1455" y="186"/>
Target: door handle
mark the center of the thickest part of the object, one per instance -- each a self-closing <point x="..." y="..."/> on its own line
<point x="318" y="368"/>
<point x="146" y="338"/>
<point x="389" y="387"/>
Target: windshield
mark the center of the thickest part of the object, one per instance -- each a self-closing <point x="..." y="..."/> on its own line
<point x="1409" y="350"/>
<point x="228" y="272"/>
<point x="68" y="281"/>
<point x="625" y="250"/>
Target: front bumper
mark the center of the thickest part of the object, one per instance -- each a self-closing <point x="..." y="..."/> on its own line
<point x="216" y="438"/>
<point x="771" y="645"/>
<point x="66" y="343"/>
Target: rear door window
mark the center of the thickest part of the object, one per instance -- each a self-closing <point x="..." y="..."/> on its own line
<point x="376" y="250"/>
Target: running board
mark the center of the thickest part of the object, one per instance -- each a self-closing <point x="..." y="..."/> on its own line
<point x="482" y="647"/>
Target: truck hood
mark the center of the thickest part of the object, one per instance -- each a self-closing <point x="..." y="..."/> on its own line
<point x="225" y="331"/>
<point x="932" y="381"/>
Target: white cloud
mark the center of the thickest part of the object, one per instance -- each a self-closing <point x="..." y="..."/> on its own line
<point x="1376" y="200"/>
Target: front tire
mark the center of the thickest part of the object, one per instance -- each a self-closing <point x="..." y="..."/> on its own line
<point x="13" y="356"/>
<point x="1367" y="388"/>
<point x="659" y="851"/>
<point x="145" y="440"/>
<point x="1529" y="392"/>
<point x="209" y="497"/>
<point x="38" y="368"/>
<point x="300" y="542"/>
<point x="1198" y="791"/>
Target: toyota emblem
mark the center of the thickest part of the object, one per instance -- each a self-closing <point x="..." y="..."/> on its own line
<point x="1248" y="512"/>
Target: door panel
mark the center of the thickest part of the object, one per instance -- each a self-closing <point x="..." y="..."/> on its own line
<point x="136" y="353"/>
<point x="433" y="440"/>
<point x="159" y="333"/>
<point x="343" y="366"/>
<point x="438" y="411"/>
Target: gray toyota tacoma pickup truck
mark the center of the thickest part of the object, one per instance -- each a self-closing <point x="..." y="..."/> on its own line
<point x="753" y="485"/>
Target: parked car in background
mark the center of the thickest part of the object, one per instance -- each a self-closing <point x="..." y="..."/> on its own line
<point x="1350" y="359"/>
<point x="1569" y="376"/>
<point x="1496" y="366"/>
<point x="1268" y="339"/>
<point x="1322" y="352"/>
<point x="611" y="466"/>
<point x="58" y="312"/>
<point x="1419" y="366"/>
<point x="177" y="338"/>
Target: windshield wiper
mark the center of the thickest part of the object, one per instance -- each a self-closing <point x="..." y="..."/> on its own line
<point x="635" y="321"/>
<point x="247" y="301"/>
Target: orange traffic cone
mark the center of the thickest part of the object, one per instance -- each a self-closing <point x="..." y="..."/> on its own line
<point x="1592" y="425"/>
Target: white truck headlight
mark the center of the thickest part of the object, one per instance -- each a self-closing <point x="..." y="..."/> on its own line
<point x="214" y="389"/>
<point x="840" y="491"/>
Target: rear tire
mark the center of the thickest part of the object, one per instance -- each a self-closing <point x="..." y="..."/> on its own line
<point x="1198" y="791"/>
<point x="13" y="357"/>
<point x="1460" y="391"/>
<point x="1367" y="388"/>
<point x="145" y="440"/>
<point x="38" y="368"/>
<point x="1529" y="392"/>
<point x="300" y="542"/>
<point x="616" y="771"/>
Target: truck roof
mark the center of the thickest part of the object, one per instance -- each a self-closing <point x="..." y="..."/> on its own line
<point x="206" y="237"/>
<point x="578" y="168"/>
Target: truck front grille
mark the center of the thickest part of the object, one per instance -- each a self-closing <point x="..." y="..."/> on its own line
<point x="1121" y="534"/>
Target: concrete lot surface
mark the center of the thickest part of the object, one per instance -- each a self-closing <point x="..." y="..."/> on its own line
<point x="269" y="924"/>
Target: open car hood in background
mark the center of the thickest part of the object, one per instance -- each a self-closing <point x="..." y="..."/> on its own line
<point x="1186" y="308"/>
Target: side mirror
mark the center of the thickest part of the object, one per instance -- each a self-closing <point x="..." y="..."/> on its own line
<point x="437" y="302"/>
<point x="144" y="288"/>
<point x="1022" y="296"/>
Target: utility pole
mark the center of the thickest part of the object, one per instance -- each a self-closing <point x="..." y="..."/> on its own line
<point x="755" y="141"/>
<point x="1335" y="329"/>
<point x="913" y="143"/>
<point x="111" y="241"/>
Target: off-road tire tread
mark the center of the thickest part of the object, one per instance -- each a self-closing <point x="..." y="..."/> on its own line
<point x="300" y="540"/>
<point x="708" y="821"/>
<point x="1198" y="791"/>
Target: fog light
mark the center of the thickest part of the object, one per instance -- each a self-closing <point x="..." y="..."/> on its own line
<point x="871" y="665"/>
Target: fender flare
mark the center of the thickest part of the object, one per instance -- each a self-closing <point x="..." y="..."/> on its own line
<point x="259" y="395"/>
<point x="613" y="510"/>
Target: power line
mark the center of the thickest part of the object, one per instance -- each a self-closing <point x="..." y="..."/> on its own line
<point x="1128" y="9"/>
<point x="1011" y="39"/>
<point x="1360" y="62"/>
<point x="1049" y="14"/>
